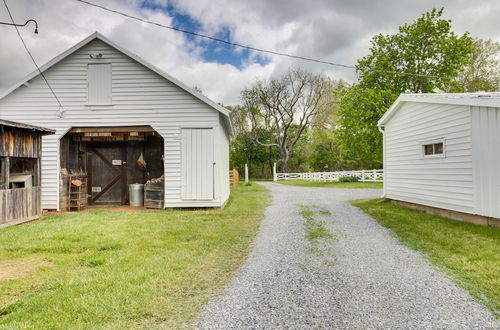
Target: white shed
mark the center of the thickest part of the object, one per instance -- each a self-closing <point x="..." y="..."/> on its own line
<point x="117" y="109"/>
<point x="443" y="151"/>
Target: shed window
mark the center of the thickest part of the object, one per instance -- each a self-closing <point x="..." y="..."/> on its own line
<point x="433" y="149"/>
<point x="99" y="84"/>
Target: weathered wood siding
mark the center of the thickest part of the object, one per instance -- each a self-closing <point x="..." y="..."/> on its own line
<point x="16" y="142"/>
<point x="140" y="97"/>
<point x="21" y="204"/>
<point x="486" y="160"/>
<point x="439" y="182"/>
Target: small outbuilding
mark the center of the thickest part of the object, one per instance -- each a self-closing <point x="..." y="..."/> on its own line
<point x="122" y="121"/>
<point x="20" y="172"/>
<point x="442" y="154"/>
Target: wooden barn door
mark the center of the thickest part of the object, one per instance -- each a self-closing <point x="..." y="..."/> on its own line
<point x="198" y="164"/>
<point x="107" y="175"/>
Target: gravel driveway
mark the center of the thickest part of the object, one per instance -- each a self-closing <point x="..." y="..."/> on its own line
<point x="359" y="277"/>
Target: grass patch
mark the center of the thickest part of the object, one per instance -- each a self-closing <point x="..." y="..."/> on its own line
<point x="320" y="184"/>
<point x="106" y="269"/>
<point x="315" y="228"/>
<point x="469" y="253"/>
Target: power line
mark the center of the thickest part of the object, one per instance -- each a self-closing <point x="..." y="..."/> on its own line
<point x="31" y="56"/>
<point x="227" y="42"/>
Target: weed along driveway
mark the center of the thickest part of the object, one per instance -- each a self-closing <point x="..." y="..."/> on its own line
<point x="318" y="262"/>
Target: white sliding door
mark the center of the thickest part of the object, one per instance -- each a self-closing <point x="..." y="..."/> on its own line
<point x="198" y="164"/>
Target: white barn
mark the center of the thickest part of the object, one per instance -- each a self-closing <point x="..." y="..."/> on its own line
<point x="116" y="105"/>
<point x="443" y="151"/>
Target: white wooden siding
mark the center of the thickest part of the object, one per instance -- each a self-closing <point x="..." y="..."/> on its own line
<point x="439" y="182"/>
<point x="486" y="160"/>
<point x="140" y="97"/>
<point x="197" y="164"/>
<point x="99" y="84"/>
<point x="222" y="188"/>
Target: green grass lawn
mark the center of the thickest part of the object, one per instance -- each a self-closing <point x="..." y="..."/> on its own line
<point x="106" y="269"/>
<point x="469" y="253"/>
<point x="320" y="184"/>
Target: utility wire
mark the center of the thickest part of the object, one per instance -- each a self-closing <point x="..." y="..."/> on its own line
<point x="32" y="58"/>
<point x="227" y="42"/>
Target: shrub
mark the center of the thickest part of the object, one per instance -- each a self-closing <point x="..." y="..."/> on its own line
<point x="348" y="179"/>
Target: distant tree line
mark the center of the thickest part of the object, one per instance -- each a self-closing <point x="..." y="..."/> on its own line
<point x="310" y="122"/>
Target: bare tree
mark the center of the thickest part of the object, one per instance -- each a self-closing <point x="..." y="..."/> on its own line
<point x="286" y="107"/>
<point x="483" y="71"/>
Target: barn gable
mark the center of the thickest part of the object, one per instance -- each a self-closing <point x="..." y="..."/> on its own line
<point x="94" y="38"/>
<point x="142" y="95"/>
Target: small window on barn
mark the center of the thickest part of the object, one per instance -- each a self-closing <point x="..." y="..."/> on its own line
<point x="433" y="149"/>
<point x="99" y="84"/>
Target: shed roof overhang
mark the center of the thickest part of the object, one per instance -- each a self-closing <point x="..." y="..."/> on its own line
<point x="40" y="130"/>
<point x="472" y="99"/>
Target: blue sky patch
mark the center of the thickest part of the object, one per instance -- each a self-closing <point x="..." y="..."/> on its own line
<point x="213" y="51"/>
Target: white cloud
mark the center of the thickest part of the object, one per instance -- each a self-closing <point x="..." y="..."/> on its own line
<point x="332" y="30"/>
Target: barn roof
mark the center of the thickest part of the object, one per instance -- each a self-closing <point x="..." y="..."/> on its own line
<point x="96" y="35"/>
<point x="42" y="130"/>
<point x="485" y="99"/>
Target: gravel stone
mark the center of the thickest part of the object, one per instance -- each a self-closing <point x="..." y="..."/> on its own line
<point x="363" y="279"/>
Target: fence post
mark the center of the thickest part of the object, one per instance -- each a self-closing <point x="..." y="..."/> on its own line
<point x="275" y="177"/>
<point x="246" y="173"/>
<point x="374" y="175"/>
<point x="362" y="175"/>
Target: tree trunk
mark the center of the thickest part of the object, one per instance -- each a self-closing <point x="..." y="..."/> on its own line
<point x="285" y="158"/>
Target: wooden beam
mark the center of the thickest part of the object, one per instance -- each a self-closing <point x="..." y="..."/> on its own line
<point x="119" y="129"/>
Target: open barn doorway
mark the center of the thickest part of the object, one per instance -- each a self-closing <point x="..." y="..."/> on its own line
<point x="105" y="160"/>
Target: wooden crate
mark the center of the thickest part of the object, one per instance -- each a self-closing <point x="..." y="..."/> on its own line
<point x="154" y="194"/>
<point x="77" y="200"/>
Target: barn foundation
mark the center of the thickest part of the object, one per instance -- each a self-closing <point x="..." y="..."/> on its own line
<point x="454" y="215"/>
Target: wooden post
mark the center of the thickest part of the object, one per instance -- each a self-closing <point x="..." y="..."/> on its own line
<point x="6" y="172"/>
<point x="246" y="173"/>
<point x="362" y="175"/>
<point x="37" y="173"/>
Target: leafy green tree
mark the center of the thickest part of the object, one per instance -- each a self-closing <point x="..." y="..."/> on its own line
<point x="483" y="71"/>
<point x="423" y="57"/>
<point x="260" y="159"/>
<point x="357" y="133"/>
<point x="325" y="155"/>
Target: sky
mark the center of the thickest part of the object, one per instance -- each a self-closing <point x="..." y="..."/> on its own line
<point x="332" y="30"/>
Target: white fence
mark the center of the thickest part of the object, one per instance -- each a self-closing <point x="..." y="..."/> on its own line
<point x="362" y="175"/>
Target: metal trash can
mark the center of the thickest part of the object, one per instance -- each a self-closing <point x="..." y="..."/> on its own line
<point x="136" y="194"/>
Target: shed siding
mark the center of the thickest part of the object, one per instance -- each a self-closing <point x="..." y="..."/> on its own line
<point x="486" y="160"/>
<point x="439" y="182"/>
<point x="140" y="97"/>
